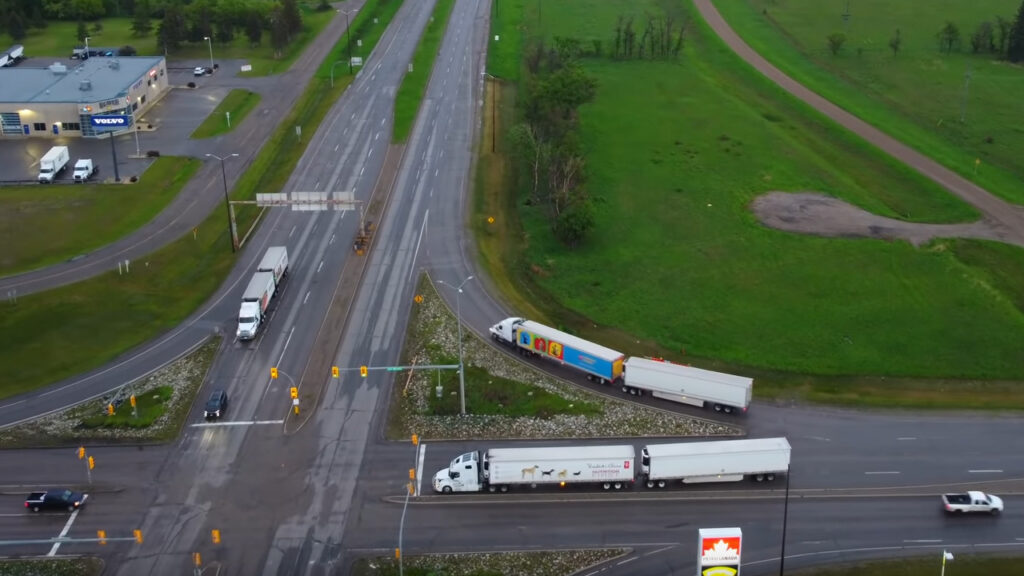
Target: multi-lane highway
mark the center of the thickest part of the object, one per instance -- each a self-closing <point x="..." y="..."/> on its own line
<point x="308" y="500"/>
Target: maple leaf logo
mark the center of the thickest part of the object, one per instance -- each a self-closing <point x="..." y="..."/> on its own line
<point x="721" y="550"/>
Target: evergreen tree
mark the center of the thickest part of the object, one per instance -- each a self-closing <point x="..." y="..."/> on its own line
<point x="82" y="31"/>
<point x="171" y="31"/>
<point x="1015" y="40"/>
<point x="254" y="27"/>
<point x="278" y="30"/>
<point x="292" y="16"/>
<point x="141" y="25"/>
<point x="16" y="26"/>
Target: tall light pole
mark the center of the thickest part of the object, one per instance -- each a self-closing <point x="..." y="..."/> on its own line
<point x="227" y="202"/>
<point x="348" y="35"/>
<point x="945" y="556"/>
<point x="209" y="42"/>
<point x="462" y="367"/>
<point x="494" y="99"/>
<point x="785" y="518"/>
<point x="86" y="48"/>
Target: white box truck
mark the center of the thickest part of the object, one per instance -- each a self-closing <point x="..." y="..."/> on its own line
<point x="275" y="261"/>
<point x="761" y="459"/>
<point x="599" y="363"/>
<point x="687" y="385"/>
<point x="53" y="163"/>
<point x="255" y="302"/>
<point x="498" y="469"/>
<point x="84" y="169"/>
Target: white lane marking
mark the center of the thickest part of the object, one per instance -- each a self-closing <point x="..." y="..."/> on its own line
<point x="292" y="232"/>
<point x="304" y="300"/>
<point x="382" y="121"/>
<point x="419" y="467"/>
<point x="64" y="532"/>
<point x="985" y="471"/>
<point x="377" y="136"/>
<point x="813" y="542"/>
<point x="821" y="438"/>
<point x="626" y="561"/>
<point x="921" y="541"/>
<point x="331" y="241"/>
<point x="320" y="266"/>
<point x="361" y="170"/>
<point x="883" y="472"/>
<point x="235" y="423"/>
<point x="336" y="146"/>
<point x="662" y="549"/>
<point x="270" y="381"/>
<point x="436" y="170"/>
<point x="370" y="153"/>
<point x="906" y="438"/>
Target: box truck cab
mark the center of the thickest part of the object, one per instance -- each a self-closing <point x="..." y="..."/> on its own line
<point x="53" y="163"/>
<point x="84" y="169"/>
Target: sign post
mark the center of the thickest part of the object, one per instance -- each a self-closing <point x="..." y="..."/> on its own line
<point x="112" y="122"/>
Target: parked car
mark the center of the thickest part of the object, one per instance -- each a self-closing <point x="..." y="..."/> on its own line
<point x="55" y="500"/>
<point x="972" y="501"/>
<point x="216" y="405"/>
<point x="201" y="71"/>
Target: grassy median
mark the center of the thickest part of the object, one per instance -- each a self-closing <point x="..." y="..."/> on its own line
<point x="238" y="103"/>
<point x="414" y="83"/>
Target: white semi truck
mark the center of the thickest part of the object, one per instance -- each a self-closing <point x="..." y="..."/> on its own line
<point x="599" y="363"/>
<point x="761" y="459"/>
<point x="262" y="288"/>
<point x="498" y="469"/>
<point x="687" y="385"/>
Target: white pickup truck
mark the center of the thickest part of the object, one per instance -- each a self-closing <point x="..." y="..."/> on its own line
<point x="972" y="501"/>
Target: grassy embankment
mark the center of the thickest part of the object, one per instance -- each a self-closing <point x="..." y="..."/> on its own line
<point x="916" y="95"/>
<point x="962" y="565"/>
<point x="414" y="84"/>
<point x="59" y="37"/>
<point x="94" y="321"/>
<point x="678" y="267"/>
<point x="40" y="226"/>
<point x="238" y="103"/>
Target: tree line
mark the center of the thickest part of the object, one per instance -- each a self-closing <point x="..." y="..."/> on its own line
<point x="177" y="21"/>
<point x="547" y="156"/>
<point x="1000" y="36"/>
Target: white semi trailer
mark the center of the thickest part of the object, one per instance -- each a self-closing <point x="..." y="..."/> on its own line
<point x="761" y="459"/>
<point x="687" y="385"/>
<point x="498" y="469"/>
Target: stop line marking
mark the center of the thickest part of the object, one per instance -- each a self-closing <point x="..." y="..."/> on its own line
<point x="236" y="423"/>
<point x="985" y="471"/>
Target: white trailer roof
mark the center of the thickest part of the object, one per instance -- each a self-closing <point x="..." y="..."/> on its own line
<point x="688" y="372"/>
<point x="717" y="447"/>
<point x="561" y="453"/>
<point x="570" y="340"/>
<point x="272" y="256"/>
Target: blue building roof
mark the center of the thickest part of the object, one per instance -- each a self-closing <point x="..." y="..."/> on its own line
<point x="107" y="78"/>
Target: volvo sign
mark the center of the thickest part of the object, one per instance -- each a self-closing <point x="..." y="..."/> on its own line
<point x="110" y="121"/>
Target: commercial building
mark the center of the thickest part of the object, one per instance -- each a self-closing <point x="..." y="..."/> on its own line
<point x="60" y="100"/>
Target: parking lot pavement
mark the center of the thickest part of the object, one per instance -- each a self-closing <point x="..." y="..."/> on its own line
<point x="166" y="127"/>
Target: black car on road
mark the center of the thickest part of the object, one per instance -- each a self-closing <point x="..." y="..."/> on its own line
<point x="216" y="405"/>
<point x="55" y="500"/>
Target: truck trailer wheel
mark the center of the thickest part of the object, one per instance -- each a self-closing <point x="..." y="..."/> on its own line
<point x="606" y="486"/>
<point x="492" y="488"/>
<point x="727" y="409"/>
<point x="650" y="483"/>
<point x="718" y="407"/>
<point x="503" y="488"/>
<point x="618" y="485"/>
<point x="770" y="477"/>
<point x="661" y="483"/>
<point x="447" y="489"/>
<point x="759" y="478"/>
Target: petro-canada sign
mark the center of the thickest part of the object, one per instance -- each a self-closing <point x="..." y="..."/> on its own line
<point x="719" y="551"/>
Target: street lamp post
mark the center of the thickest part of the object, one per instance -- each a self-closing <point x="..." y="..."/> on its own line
<point x="209" y="42"/>
<point x="86" y="48"/>
<point x="785" y="518"/>
<point x="945" y="556"/>
<point x="462" y="367"/>
<point x="227" y="202"/>
<point x="332" y="70"/>
<point x="348" y="35"/>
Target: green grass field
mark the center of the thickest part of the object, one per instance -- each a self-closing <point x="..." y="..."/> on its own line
<point x="59" y="37"/>
<point x="917" y="95"/>
<point x="962" y="565"/>
<point x="42" y="225"/>
<point x="238" y="103"/>
<point x="149" y="405"/>
<point x="414" y="84"/>
<point x="678" y="266"/>
<point x="490" y="394"/>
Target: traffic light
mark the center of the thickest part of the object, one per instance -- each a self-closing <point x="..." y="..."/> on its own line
<point x="215" y="534"/>
<point x="110" y="409"/>
<point x="81" y="452"/>
<point x="412" y="473"/>
<point x="102" y="535"/>
<point x="415" y="440"/>
<point x="273" y="373"/>
<point x="197" y="559"/>
<point x="294" y="392"/>
<point x="132" y="399"/>
<point x="363" y="370"/>
<point x="335" y="372"/>
<point x="92" y="463"/>
<point x="138" y="535"/>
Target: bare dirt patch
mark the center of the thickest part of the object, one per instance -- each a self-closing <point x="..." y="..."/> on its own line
<point x="810" y="213"/>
